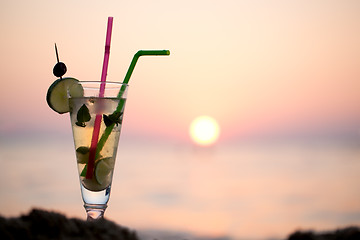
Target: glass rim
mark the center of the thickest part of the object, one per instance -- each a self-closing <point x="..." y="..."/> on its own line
<point x="98" y="89"/>
<point x="101" y="82"/>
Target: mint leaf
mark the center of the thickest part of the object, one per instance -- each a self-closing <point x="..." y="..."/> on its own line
<point x="80" y="124"/>
<point x="115" y="117"/>
<point x="83" y="115"/>
<point x="107" y="120"/>
<point x="83" y="150"/>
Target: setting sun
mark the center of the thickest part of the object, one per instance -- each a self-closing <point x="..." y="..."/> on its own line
<point x="204" y="130"/>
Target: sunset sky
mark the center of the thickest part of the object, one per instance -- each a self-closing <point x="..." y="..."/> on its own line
<point x="252" y="65"/>
<point x="262" y="69"/>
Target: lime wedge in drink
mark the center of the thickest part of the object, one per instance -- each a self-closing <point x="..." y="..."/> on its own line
<point x="102" y="172"/>
<point x="57" y="95"/>
<point x="103" y="169"/>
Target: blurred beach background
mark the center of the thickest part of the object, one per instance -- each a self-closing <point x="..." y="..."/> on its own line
<point x="281" y="78"/>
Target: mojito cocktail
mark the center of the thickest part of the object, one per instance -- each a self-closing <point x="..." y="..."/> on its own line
<point x="96" y="162"/>
<point x="96" y="114"/>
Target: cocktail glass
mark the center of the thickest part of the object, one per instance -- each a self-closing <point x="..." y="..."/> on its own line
<point x="96" y="119"/>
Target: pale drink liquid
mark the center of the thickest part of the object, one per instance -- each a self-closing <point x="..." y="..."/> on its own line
<point x="83" y="111"/>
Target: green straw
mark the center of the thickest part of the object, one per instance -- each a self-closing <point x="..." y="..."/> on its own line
<point x="132" y="66"/>
<point x="120" y="106"/>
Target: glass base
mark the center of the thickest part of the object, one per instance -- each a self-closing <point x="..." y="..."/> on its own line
<point x="95" y="211"/>
<point x="95" y="197"/>
<point x="95" y="202"/>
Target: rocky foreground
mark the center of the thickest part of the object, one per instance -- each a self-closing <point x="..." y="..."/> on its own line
<point x="41" y="224"/>
<point x="349" y="233"/>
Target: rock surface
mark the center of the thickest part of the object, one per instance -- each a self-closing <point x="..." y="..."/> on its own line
<point x="349" y="233"/>
<point x="40" y="224"/>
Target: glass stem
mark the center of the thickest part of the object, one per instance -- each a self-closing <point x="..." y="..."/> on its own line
<point x="95" y="211"/>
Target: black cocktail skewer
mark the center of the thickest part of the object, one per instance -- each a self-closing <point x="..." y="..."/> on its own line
<point x="60" y="67"/>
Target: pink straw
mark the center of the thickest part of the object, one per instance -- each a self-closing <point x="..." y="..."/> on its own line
<point x="95" y="136"/>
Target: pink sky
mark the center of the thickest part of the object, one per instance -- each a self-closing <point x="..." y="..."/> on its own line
<point x="251" y="65"/>
<point x="258" y="67"/>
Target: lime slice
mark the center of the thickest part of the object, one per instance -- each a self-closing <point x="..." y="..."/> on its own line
<point x="57" y="95"/>
<point x="103" y="169"/>
<point x="102" y="178"/>
<point x="92" y="185"/>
